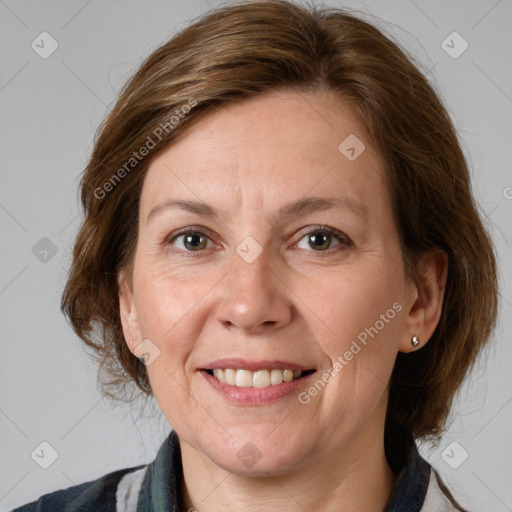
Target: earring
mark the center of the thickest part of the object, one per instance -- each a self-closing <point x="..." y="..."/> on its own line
<point x="131" y="341"/>
<point x="415" y="341"/>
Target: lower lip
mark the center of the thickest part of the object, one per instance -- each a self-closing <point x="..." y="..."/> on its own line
<point x="254" y="396"/>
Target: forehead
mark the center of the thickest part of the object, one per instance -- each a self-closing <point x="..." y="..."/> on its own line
<point x="270" y="148"/>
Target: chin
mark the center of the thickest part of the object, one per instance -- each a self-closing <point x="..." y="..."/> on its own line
<point x="254" y="456"/>
<point x="264" y="467"/>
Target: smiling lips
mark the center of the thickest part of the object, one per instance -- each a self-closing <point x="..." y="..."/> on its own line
<point x="263" y="374"/>
<point x="254" y="383"/>
<point x="259" y="379"/>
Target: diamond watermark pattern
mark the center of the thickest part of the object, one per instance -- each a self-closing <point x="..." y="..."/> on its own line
<point x="44" y="45"/>
<point x="249" y="249"/>
<point x="454" y="45"/>
<point x="351" y="147"/>
<point x="44" y="455"/>
<point x="147" y="351"/>
<point x="249" y="454"/>
<point x="44" y="250"/>
<point x="454" y="455"/>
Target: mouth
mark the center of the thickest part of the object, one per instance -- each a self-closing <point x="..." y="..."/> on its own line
<point x="262" y="378"/>
<point x="253" y="383"/>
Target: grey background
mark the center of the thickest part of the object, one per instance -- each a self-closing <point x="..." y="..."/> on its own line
<point x="50" y="109"/>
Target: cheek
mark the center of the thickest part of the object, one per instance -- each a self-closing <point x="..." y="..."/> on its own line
<point x="164" y="297"/>
<point x="164" y="308"/>
<point x="171" y="312"/>
<point x="364" y="306"/>
<point x="367" y="317"/>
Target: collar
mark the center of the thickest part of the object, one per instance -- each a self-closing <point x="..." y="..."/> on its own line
<point x="411" y="485"/>
<point x="161" y="486"/>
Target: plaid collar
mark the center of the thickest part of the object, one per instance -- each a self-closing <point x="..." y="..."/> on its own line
<point x="161" y="487"/>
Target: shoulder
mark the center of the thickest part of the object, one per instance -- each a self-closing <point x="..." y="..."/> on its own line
<point x="141" y="487"/>
<point x="438" y="497"/>
<point x="419" y="487"/>
<point x="100" y="495"/>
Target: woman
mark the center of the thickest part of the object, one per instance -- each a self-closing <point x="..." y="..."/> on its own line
<point x="281" y="246"/>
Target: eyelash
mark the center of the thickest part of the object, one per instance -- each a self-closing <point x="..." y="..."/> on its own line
<point x="343" y="239"/>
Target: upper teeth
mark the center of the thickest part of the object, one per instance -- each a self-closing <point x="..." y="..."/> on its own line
<point x="259" y="379"/>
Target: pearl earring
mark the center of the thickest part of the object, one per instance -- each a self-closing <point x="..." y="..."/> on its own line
<point x="415" y="341"/>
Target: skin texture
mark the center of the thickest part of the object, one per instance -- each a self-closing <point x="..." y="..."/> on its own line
<point x="295" y="302"/>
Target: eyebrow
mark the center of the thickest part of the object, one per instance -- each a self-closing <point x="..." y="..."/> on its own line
<point x="297" y="208"/>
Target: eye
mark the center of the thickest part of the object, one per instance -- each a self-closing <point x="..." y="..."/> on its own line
<point x="321" y="238"/>
<point x="193" y="240"/>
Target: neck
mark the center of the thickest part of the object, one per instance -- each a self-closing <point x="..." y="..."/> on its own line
<point x="353" y="477"/>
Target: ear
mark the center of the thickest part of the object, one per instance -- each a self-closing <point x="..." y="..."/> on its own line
<point x="427" y="294"/>
<point x="128" y="312"/>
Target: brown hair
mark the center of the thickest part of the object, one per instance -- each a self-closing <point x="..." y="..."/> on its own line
<point x="242" y="50"/>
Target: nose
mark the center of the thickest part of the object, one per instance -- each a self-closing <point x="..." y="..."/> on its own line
<point x="254" y="297"/>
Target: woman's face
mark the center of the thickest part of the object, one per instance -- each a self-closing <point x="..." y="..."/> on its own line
<point x="271" y="281"/>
